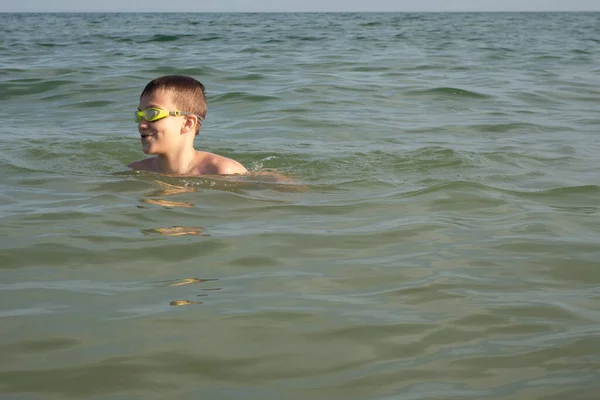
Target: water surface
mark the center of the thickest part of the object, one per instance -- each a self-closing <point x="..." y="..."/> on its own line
<point x="441" y="239"/>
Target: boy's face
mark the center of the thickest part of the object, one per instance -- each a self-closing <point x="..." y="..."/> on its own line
<point x="164" y="135"/>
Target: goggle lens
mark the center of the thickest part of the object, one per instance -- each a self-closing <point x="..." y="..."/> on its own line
<point x="150" y="115"/>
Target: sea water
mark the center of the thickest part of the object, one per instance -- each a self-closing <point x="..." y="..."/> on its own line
<point x="439" y="237"/>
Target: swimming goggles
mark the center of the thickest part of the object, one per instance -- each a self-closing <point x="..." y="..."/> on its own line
<point x="154" y="114"/>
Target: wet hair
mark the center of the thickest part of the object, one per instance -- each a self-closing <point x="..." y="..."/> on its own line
<point x="187" y="93"/>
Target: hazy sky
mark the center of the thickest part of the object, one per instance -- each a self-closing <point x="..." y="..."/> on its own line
<point x="297" y="5"/>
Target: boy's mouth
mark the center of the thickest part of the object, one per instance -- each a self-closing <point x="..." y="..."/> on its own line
<point x="146" y="135"/>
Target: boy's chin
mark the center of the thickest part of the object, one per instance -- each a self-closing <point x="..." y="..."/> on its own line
<point x="148" y="149"/>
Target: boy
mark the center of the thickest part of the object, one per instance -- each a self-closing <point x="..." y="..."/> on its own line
<point x="169" y="116"/>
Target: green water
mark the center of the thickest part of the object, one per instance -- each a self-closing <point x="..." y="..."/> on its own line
<point x="442" y="239"/>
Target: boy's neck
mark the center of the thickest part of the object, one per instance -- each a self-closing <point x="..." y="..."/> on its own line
<point x="180" y="163"/>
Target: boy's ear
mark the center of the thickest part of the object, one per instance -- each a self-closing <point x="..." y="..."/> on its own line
<point x="190" y="123"/>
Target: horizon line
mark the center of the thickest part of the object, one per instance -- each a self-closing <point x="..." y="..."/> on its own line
<point x="296" y="11"/>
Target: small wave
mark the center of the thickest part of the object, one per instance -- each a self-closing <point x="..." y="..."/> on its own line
<point x="425" y="67"/>
<point x="272" y="41"/>
<point x="24" y="87"/>
<point x="163" y="38"/>
<point x="159" y="38"/>
<point x="509" y="127"/>
<point x="248" y="77"/>
<point x="241" y="96"/>
<point x="579" y="51"/>
<point x="370" y="68"/>
<point x="196" y="71"/>
<point x="499" y="49"/>
<point x="570" y="190"/>
<point x="46" y="344"/>
<point x="449" y="92"/>
<point x="437" y="67"/>
<point x="43" y="44"/>
<point x="548" y="57"/>
<point x="122" y="39"/>
<point x="173" y="38"/>
<point x="507" y="158"/>
<point x="251" y="50"/>
<point x="239" y="184"/>
<point x="306" y="38"/>
<point x="208" y="38"/>
<point x="536" y="98"/>
<point x="92" y="104"/>
<point x="371" y="24"/>
<point x="449" y="186"/>
<point x="432" y="157"/>
<point x="555" y="194"/>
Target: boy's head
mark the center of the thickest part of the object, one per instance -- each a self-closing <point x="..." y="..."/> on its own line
<point x="186" y="93"/>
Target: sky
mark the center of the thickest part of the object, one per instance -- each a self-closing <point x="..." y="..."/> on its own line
<point x="294" y="5"/>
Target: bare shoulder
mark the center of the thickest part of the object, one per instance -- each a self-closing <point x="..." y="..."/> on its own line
<point x="219" y="165"/>
<point x="230" y="167"/>
<point x="147" y="164"/>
